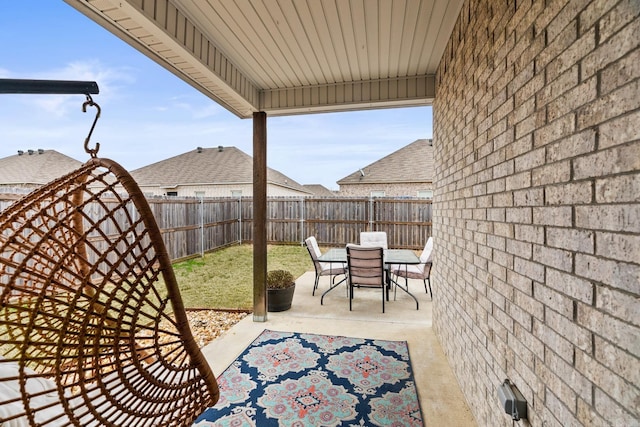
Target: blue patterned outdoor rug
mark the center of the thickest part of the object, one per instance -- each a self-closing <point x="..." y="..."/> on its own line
<point x="292" y="379"/>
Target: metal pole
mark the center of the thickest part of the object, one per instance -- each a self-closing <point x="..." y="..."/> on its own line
<point x="50" y="87"/>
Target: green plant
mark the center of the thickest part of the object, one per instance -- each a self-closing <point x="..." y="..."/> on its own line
<point x="279" y="279"/>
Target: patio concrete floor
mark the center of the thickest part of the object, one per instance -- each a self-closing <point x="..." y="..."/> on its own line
<point x="440" y="397"/>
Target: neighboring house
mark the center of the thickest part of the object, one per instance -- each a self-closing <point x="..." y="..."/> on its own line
<point x="319" y="190"/>
<point x="210" y="172"/>
<point x="406" y="172"/>
<point x="27" y="170"/>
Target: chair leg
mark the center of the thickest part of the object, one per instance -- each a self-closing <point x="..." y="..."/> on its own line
<point x="388" y="282"/>
<point x="425" y="286"/>
<point x="350" y="295"/>
<point x="315" y="285"/>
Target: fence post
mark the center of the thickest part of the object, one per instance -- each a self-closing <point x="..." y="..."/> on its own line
<point x="240" y="219"/>
<point x="201" y="226"/>
<point x="301" y="210"/>
<point x="371" y="214"/>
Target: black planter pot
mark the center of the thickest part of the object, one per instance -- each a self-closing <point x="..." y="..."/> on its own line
<point x="280" y="299"/>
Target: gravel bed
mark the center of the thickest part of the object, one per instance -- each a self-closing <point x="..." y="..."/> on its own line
<point x="207" y="325"/>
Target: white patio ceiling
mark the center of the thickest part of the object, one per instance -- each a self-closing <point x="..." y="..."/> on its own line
<point x="290" y="56"/>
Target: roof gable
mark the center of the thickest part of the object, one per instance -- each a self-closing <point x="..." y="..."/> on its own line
<point x="35" y="167"/>
<point x="209" y="166"/>
<point x="411" y="163"/>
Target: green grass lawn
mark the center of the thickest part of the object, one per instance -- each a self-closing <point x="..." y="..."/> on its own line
<point x="224" y="279"/>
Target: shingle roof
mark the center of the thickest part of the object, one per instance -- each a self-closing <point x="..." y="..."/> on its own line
<point x="411" y="163"/>
<point x="210" y="166"/>
<point x="35" y="167"/>
<point x="319" y="190"/>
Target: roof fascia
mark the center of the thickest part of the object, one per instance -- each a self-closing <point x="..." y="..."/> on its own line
<point x="148" y="31"/>
<point x="348" y="96"/>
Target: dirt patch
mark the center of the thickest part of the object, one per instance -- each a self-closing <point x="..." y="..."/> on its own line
<point x="207" y="325"/>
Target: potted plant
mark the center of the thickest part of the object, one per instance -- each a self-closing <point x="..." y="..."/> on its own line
<point x="280" y="287"/>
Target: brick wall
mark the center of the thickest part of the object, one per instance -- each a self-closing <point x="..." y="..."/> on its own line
<point x="390" y="189"/>
<point x="537" y="208"/>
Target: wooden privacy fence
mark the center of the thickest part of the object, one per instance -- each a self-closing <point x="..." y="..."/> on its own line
<point x="192" y="226"/>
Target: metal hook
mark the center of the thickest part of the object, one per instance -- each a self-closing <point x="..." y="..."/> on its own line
<point x="91" y="151"/>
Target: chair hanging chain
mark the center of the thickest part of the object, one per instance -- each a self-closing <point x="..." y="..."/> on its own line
<point x="89" y="102"/>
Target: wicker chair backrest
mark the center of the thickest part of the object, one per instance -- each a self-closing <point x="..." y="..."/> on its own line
<point x="93" y="331"/>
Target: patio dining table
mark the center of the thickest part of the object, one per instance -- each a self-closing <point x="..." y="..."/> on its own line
<point x="391" y="256"/>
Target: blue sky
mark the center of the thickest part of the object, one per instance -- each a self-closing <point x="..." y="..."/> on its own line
<point x="148" y="114"/>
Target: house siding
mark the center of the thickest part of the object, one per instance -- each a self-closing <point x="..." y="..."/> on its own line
<point x="536" y="209"/>
<point x="220" y="190"/>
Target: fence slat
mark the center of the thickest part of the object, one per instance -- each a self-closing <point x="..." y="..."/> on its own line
<point x="333" y="221"/>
